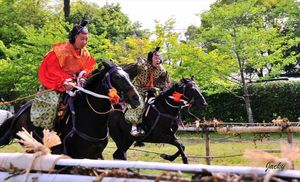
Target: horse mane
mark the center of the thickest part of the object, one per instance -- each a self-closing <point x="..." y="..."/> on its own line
<point x="99" y="73"/>
<point x="96" y="75"/>
<point x="167" y="92"/>
<point x="173" y="88"/>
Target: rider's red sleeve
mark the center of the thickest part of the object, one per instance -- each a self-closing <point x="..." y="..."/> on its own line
<point x="50" y="74"/>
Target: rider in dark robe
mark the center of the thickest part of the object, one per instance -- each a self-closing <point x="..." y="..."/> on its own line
<point x="147" y="75"/>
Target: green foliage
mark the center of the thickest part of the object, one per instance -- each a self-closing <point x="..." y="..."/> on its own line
<point x="23" y="13"/>
<point x="108" y="19"/>
<point x="274" y="99"/>
<point x="21" y="62"/>
<point x="269" y="100"/>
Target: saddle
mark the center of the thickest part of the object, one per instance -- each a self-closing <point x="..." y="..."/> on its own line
<point x="63" y="106"/>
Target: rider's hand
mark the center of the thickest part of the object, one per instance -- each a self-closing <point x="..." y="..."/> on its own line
<point x="69" y="84"/>
<point x="81" y="82"/>
<point x="153" y="91"/>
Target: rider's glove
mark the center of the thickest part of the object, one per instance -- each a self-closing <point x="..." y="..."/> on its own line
<point x="69" y="84"/>
<point x="81" y="80"/>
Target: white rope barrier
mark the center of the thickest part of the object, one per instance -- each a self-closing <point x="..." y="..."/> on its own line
<point x="189" y="168"/>
<point x="4" y="176"/>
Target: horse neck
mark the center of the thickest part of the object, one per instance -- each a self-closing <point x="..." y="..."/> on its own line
<point x="164" y="102"/>
<point x="92" y="102"/>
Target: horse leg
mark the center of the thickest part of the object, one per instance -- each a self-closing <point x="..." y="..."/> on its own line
<point x="172" y="141"/>
<point x="7" y="131"/>
<point x="122" y="147"/>
<point x="174" y="156"/>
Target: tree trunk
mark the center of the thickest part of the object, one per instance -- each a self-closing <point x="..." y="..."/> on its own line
<point x="245" y="88"/>
<point x="248" y="104"/>
<point x="67" y="10"/>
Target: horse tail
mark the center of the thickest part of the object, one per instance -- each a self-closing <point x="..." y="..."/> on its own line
<point x="7" y="131"/>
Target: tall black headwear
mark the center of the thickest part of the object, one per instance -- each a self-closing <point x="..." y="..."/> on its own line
<point x="78" y="28"/>
<point x="151" y="53"/>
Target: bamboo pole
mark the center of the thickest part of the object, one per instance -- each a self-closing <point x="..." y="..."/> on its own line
<point x="257" y="129"/>
<point x="290" y="142"/>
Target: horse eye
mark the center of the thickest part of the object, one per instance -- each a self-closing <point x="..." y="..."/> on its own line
<point x="116" y="77"/>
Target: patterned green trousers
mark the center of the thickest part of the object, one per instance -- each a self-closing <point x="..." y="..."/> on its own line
<point x="134" y="116"/>
<point x="44" y="109"/>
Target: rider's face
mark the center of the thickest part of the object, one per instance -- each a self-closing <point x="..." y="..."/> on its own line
<point x="156" y="59"/>
<point x="81" y="41"/>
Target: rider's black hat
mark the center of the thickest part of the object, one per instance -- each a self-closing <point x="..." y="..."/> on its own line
<point x="151" y="53"/>
<point x="78" y="28"/>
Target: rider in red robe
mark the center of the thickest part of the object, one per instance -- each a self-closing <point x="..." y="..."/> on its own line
<point x="64" y="64"/>
<point x="64" y="61"/>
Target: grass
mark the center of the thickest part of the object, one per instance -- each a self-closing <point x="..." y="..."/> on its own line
<point x="220" y="145"/>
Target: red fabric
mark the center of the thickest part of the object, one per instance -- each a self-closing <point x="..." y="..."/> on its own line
<point x="177" y="96"/>
<point x="51" y="75"/>
<point x="150" y="83"/>
<point x="71" y="60"/>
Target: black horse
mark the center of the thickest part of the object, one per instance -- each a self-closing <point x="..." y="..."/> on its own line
<point x="160" y="119"/>
<point x="85" y="133"/>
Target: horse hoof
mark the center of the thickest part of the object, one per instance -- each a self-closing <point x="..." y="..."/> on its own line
<point x="185" y="161"/>
<point x="164" y="156"/>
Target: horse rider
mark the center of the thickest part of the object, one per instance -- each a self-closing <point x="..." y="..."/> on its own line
<point x="65" y="63"/>
<point x="148" y="75"/>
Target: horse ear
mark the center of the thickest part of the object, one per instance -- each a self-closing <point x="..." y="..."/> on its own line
<point x="176" y="86"/>
<point x="100" y="67"/>
<point x="193" y="78"/>
<point x="106" y="64"/>
<point x="184" y="80"/>
<point x="112" y="63"/>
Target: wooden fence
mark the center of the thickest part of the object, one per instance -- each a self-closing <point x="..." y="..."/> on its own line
<point x="242" y="128"/>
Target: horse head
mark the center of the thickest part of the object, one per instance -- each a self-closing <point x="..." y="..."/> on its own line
<point x="189" y="93"/>
<point x="116" y="78"/>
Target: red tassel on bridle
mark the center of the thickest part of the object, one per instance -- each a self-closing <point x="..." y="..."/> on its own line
<point x="177" y="96"/>
<point x="113" y="96"/>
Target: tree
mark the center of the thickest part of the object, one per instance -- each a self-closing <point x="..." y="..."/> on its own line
<point x="18" y="71"/>
<point x="108" y="20"/>
<point x="23" y="13"/>
<point x="240" y="35"/>
<point x="67" y="10"/>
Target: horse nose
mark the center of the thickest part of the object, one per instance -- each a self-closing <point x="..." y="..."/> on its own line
<point x="205" y="105"/>
<point x="136" y="98"/>
<point x="135" y="102"/>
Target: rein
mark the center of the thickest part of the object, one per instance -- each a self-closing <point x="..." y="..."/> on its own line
<point x="91" y="93"/>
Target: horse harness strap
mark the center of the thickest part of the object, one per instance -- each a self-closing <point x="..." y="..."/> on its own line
<point x="97" y="112"/>
<point x="156" y="120"/>
<point x="75" y="131"/>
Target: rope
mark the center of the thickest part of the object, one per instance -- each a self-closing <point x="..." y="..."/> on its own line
<point x="199" y="157"/>
<point x="23" y="98"/>
<point x="97" y="112"/>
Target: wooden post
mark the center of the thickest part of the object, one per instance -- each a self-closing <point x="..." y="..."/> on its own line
<point x="207" y="149"/>
<point x="290" y="142"/>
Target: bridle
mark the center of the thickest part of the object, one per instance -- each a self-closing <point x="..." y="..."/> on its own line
<point x="106" y="81"/>
<point x="180" y="98"/>
<point x="183" y="101"/>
